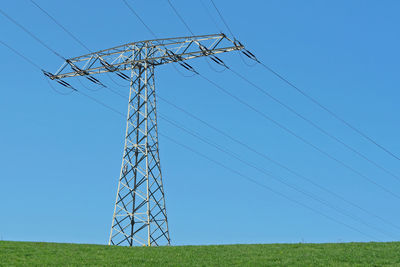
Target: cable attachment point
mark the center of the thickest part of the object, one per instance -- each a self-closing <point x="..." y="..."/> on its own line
<point x="174" y="56"/>
<point x="246" y="52"/>
<point x="188" y="67"/>
<point x="219" y="61"/>
<point x="110" y="68"/>
<point x="85" y="73"/>
<point x="179" y="59"/>
<point x="48" y="74"/>
<point x="216" y="59"/>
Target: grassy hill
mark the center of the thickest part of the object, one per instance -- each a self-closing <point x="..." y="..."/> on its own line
<point x="345" y="254"/>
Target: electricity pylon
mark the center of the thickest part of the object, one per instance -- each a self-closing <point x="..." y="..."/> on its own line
<point x="140" y="216"/>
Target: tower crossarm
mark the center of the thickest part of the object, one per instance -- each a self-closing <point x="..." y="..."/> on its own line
<point x="152" y="52"/>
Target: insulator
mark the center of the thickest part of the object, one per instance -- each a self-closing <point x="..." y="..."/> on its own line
<point x="48" y="74"/>
<point x="65" y="84"/>
<point x="250" y="53"/>
<point x="183" y="65"/>
<point x="220" y="60"/>
<point x="122" y="75"/>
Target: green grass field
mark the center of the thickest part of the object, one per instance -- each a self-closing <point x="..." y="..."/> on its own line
<point x="340" y="254"/>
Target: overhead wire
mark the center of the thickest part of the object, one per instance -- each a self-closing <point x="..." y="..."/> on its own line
<point x="277" y="163"/>
<point x="313" y="124"/>
<point x="141" y="20"/>
<point x="190" y="30"/>
<point x="154" y="35"/>
<point x="210" y="16"/>
<point x="58" y="91"/>
<point x="74" y="89"/>
<point x="180" y="17"/>
<point x="46" y="73"/>
<point x="87" y="87"/>
<point x="332" y="113"/>
<point x="31" y="34"/>
<point x="183" y="21"/>
<point x="21" y="55"/>
<point x="310" y="98"/>
<point x="222" y="18"/>
<point x="291" y="132"/>
<point x="254" y="181"/>
<point x="79" y="42"/>
<point x="302" y="117"/>
<point x="279" y="179"/>
<point x="60" y="25"/>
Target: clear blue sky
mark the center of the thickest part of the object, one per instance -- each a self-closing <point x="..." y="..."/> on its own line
<point x="60" y="155"/>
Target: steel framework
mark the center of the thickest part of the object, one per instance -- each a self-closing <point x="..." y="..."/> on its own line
<point x="140" y="216"/>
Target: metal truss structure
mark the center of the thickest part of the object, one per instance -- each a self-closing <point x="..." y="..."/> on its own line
<point x="140" y="216"/>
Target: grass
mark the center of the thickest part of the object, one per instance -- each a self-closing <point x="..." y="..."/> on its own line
<point x="338" y="254"/>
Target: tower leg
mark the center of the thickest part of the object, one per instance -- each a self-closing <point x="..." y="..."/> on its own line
<point x="140" y="217"/>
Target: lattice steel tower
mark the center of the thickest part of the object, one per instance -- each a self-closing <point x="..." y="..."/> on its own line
<point x="140" y="216"/>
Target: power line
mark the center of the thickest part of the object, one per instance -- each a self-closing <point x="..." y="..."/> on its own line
<point x="315" y="125"/>
<point x="148" y="28"/>
<point x="332" y="113"/>
<point x="31" y="34"/>
<point x="21" y="55"/>
<point x="210" y="15"/>
<point x="304" y="118"/>
<point x="288" y="130"/>
<point x="263" y="171"/>
<point x="315" y="101"/>
<point x="77" y="40"/>
<point x="298" y="136"/>
<point x="263" y="155"/>
<point x="222" y="18"/>
<point x="80" y="92"/>
<point x="141" y="20"/>
<point x="254" y="181"/>
<point x="180" y="17"/>
<point x="102" y="103"/>
<point x="57" y="91"/>
<point x="61" y="26"/>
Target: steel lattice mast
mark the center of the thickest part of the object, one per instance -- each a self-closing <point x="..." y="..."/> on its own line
<point x="140" y="216"/>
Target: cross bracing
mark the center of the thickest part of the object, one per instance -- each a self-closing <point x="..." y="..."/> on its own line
<point x="129" y="56"/>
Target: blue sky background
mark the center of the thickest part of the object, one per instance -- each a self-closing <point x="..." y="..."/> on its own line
<point x="60" y="155"/>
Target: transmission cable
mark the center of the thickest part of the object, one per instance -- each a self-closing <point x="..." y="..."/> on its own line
<point x="60" y="25"/>
<point x="225" y="91"/>
<point x="21" y="55"/>
<point x="283" y="127"/>
<point x="155" y="36"/>
<point x="57" y="91"/>
<point x="328" y="134"/>
<point x="189" y="29"/>
<point x="210" y="15"/>
<point x="332" y="113"/>
<point x="312" y="99"/>
<point x="77" y="40"/>
<point x="265" y="156"/>
<point x="73" y="89"/>
<point x="137" y="15"/>
<point x="222" y="18"/>
<point x="31" y="34"/>
<point x="180" y="17"/>
<point x="279" y="179"/>
<point x="254" y="181"/>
